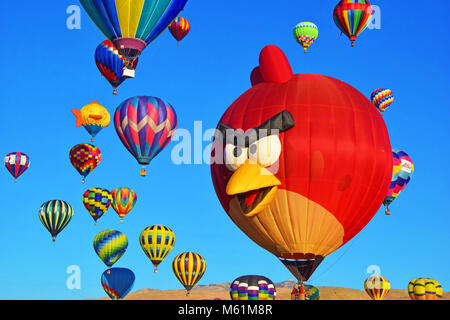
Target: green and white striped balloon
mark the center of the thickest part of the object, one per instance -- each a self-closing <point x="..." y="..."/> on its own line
<point x="55" y="215"/>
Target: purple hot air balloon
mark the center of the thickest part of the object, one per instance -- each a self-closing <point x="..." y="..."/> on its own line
<point x="145" y="125"/>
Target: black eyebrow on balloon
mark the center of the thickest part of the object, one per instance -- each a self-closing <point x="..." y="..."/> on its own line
<point x="279" y="123"/>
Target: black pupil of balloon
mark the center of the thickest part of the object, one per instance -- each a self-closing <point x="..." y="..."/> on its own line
<point x="237" y="152"/>
<point x="253" y="149"/>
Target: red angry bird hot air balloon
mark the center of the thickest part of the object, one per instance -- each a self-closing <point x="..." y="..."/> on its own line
<point x="295" y="166"/>
<point x="179" y="28"/>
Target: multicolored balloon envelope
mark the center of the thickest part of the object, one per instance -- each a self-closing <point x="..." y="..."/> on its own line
<point x="16" y="163"/>
<point x="55" y="215"/>
<point x="294" y="168"/>
<point x="111" y="64"/>
<point x="93" y="117"/>
<point x="382" y="99"/>
<point x="85" y="158"/>
<point x="310" y="292"/>
<point x="179" y="28"/>
<point x="156" y="242"/>
<point x="97" y="201"/>
<point x="306" y="33"/>
<point x="123" y="201"/>
<point x="145" y="125"/>
<point x="352" y="17"/>
<point x="132" y="27"/>
<point x="403" y="169"/>
<point x="110" y="246"/>
<point x="252" y="288"/>
<point x="424" y="289"/>
<point x="117" y="282"/>
<point x="377" y="287"/>
<point x="189" y="268"/>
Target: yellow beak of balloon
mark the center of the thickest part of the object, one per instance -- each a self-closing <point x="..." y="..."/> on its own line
<point x="254" y="186"/>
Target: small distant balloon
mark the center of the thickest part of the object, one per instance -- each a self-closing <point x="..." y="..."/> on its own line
<point x="179" y="28"/>
<point x="352" y="17"/>
<point x="382" y="99"/>
<point x="189" y="268"/>
<point x="306" y="33"/>
<point x="16" y="163"/>
<point x="85" y="158"/>
<point x="55" y="215"/>
<point x="377" y="287"/>
<point x="93" y="117"/>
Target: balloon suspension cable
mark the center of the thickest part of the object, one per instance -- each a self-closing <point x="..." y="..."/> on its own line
<point x="143" y="172"/>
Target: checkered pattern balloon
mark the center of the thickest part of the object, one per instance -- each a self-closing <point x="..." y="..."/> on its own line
<point x="85" y="158"/>
<point x="97" y="201"/>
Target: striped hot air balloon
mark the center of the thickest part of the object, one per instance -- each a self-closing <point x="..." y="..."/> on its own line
<point x="123" y="201"/>
<point x="55" y="215"/>
<point x="352" y="17"/>
<point x="156" y="242"/>
<point x="377" y="287"/>
<point x="425" y="289"/>
<point x="179" y="28"/>
<point x="382" y="99"/>
<point x="117" y="282"/>
<point x="110" y="246"/>
<point x="189" y="268"/>
<point x="306" y="33"/>
<point x="16" y="163"/>
<point x="85" y="158"/>
<point x="252" y="288"/>
<point x="145" y="125"/>
<point x="97" y="201"/>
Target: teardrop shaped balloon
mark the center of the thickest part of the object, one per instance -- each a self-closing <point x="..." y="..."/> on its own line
<point x="145" y="125"/>
<point x="97" y="201"/>
<point x="302" y="291"/>
<point x="85" y="158"/>
<point x="306" y="33"/>
<point x="117" y="282"/>
<point x="16" y="163"/>
<point x="156" y="242"/>
<point x="132" y="26"/>
<point x="352" y="17"/>
<point x="55" y="215"/>
<point x="179" y="28"/>
<point x="382" y="99"/>
<point x="111" y="64"/>
<point x="110" y="246"/>
<point x="93" y="117"/>
<point x="377" y="287"/>
<point x="403" y="169"/>
<point x="252" y="287"/>
<point x="123" y="201"/>
<point x="424" y="289"/>
<point x="189" y="268"/>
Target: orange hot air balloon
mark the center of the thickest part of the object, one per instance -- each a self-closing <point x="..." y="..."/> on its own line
<point x="294" y="165"/>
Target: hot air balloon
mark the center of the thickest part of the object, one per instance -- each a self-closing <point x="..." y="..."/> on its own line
<point x="294" y="168"/>
<point x="425" y="289"/>
<point x="16" y="163"/>
<point x="110" y="246"/>
<point x="352" y="17"/>
<point x="93" y="117"/>
<point x="189" y="267"/>
<point x="55" y="215"/>
<point x="382" y="99"/>
<point x="112" y="65"/>
<point x="156" y="242"/>
<point x="403" y="169"/>
<point x="377" y="287"/>
<point x="132" y="26"/>
<point x="252" y="288"/>
<point x="85" y="158"/>
<point x="179" y="28"/>
<point x="306" y="33"/>
<point x="117" y="282"/>
<point x="145" y="125"/>
<point x="123" y="201"/>
<point x="303" y="291"/>
<point x="97" y="201"/>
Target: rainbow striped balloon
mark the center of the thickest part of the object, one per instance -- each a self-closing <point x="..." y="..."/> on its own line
<point x="352" y="17"/>
<point x="425" y="289"/>
<point x="377" y="287"/>
<point x="55" y="215"/>
<point x="252" y="288"/>
<point x="110" y="246"/>
<point x="189" y="268"/>
<point x="123" y="201"/>
<point x="16" y="163"/>
<point x="382" y="99"/>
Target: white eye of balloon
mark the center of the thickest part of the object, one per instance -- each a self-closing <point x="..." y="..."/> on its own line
<point x="265" y="151"/>
<point x="235" y="156"/>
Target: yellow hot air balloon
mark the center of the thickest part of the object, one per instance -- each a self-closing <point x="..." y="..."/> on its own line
<point x="424" y="289"/>
<point x="156" y="242"/>
<point x="189" y="267"/>
<point x="93" y="117"/>
<point x="377" y="287"/>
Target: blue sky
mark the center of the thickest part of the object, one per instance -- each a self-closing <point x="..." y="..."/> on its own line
<point x="49" y="70"/>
